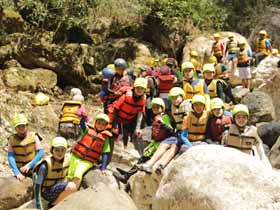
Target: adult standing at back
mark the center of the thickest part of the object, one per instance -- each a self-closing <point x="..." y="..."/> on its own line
<point x="218" y="48"/>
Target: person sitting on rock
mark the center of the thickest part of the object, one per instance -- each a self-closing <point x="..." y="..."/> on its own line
<point x="215" y="87"/>
<point x="193" y="86"/>
<point x="244" y="58"/>
<point x="194" y="124"/>
<point x="263" y="47"/>
<point x="161" y="130"/>
<point x="244" y="137"/>
<point x="164" y="133"/>
<point x="218" y="48"/>
<point x="218" y="122"/>
<point x="127" y="113"/>
<point x="93" y="146"/>
<point x="24" y="148"/>
<point x="51" y="172"/>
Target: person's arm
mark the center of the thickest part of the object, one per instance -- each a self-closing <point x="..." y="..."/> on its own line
<point x="83" y="125"/>
<point x="37" y="158"/>
<point x="38" y="181"/>
<point x="184" y="139"/>
<point x="208" y="130"/>
<point x="105" y="157"/>
<point x="220" y="91"/>
<point x="260" y="150"/>
<point x="12" y="163"/>
<point x="139" y="120"/>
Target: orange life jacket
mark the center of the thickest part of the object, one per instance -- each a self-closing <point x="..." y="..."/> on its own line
<point x="197" y="129"/>
<point x="243" y="57"/>
<point x="91" y="145"/>
<point x="116" y="84"/>
<point x="165" y="83"/>
<point x="217" y="49"/>
<point x="261" y="46"/>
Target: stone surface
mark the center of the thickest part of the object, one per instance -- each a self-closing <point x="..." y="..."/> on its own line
<point x="269" y="133"/>
<point x="216" y="178"/>
<point x="260" y="106"/>
<point x="239" y="92"/>
<point x="274" y="154"/>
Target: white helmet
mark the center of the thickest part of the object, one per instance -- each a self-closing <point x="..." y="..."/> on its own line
<point x="78" y="98"/>
<point x="75" y="91"/>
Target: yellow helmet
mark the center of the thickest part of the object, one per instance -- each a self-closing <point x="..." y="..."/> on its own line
<point x="102" y="116"/>
<point x="111" y="66"/>
<point x="187" y="65"/>
<point x="194" y="53"/>
<point x="151" y="62"/>
<point x="274" y="51"/>
<point x="263" y="32"/>
<point x="19" y="119"/>
<point x="240" y="108"/>
<point x="216" y="35"/>
<point x="198" y="99"/>
<point x="141" y="82"/>
<point x="159" y="102"/>
<point x="213" y="60"/>
<point x="230" y="36"/>
<point x="176" y="91"/>
<point x="59" y="142"/>
<point x="216" y="103"/>
<point x="208" y="67"/>
<point x="242" y="42"/>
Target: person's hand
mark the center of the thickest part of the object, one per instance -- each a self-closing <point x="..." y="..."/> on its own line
<point x="20" y="177"/>
<point x="25" y="169"/>
<point x="145" y="149"/>
<point x="139" y="133"/>
<point x="115" y="131"/>
<point x="84" y="113"/>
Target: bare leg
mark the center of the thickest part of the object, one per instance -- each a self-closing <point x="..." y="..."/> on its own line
<point x="158" y="154"/>
<point x="168" y="155"/>
<point x="69" y="189"/>
<point x="77" y="182"/>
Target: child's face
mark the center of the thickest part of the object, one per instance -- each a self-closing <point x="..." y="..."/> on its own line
<point x="139" y="91"/>
<point x="157" y="109"/>
<point x="120" y="71"/>
<point x="177" y="100"/>
<point x="198" y="107"/>
<point x="59" y="153"/>
<point x="21" y="130"/>
<point x="241" y="119"/>
<point x="208" y="75"/>
<point x="188" y="73"/>
<point x="218" y="112"/>
<point x="101" y="125"/>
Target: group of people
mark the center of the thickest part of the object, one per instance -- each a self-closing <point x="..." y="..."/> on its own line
<point x="184" y="106"/>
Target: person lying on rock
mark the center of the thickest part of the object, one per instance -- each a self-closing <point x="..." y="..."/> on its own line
<point x="127" y="113"/>
<point x="244" y="137"/>
<point x="161" y="130"/>
<point x="163" y="133"/>
<point x="50" y="175"/>
<point x="194" y="124"/>
<point x="24" y="148"/>
<point x="218" y="122"/>
<point x="93" y="146"/>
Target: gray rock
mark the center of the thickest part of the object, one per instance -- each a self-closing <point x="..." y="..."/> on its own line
<point x="274" y="154"/>
<point x="269" y="133"/>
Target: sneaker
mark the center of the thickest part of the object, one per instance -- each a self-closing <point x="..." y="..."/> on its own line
<point x="121" y="177"/>
<point x="159" y="169"/>
<point x="145" y="167"/>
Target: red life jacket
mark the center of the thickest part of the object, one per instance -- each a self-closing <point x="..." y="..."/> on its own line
<point x="91" y="145"/>
<point x="128" y="107"/>
<point x="218" y="126"/>
<point x="165" y="83"/>
<point x="159" y="131"/>
<point x="117" y="83"/>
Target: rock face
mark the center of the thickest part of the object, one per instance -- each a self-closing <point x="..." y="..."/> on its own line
<point x="260" y="106"/>
<point x="269" y="133"/>
<point x="274" y="154"/>
<point x="216" y="178"/>
<point x="14" y="193"/>
<point x="25" y="79"/>
<point x="264" y="70"/>
<point x="99" y="197"/>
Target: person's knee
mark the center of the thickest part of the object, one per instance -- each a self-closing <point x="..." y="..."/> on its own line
<point x="71" y="187"/>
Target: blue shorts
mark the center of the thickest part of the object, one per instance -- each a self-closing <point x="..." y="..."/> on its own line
<point x="171" y="140"/>
<point x="51" y="193"/>
<point x="231" y="56"/>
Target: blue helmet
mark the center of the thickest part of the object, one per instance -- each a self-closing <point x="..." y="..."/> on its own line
<point x="120" y="63"/>
<point x="107" y="73"/>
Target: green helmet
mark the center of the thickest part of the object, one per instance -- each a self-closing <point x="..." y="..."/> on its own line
<point x="240" y="108"/>
<point x="159" y="102"/>
<point x="176" y="91"/>
<point x="19" y="119"/>
<point x="198" y="99"/>
<point x="103" y="116"/>
<point x="187" y="65"/>
<point x="216" y="103"/>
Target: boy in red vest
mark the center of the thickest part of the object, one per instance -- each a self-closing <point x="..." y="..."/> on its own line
<point x="93" y="146"/>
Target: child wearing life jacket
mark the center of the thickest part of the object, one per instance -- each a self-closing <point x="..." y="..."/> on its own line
<point x="193" y="86"/>
<point x="244" y="137"/>
<point x="161" y="130"/>
<point x="194" y="124"/>
<point x="24" y="148"/>
<point x="163" y="133"/>
<point x="215" y="87"/>
<point x="49" y="181"/>
<point x="127" y="112"/>
<point x="93" y="146"/>
<point x="107" y="74"/>
<point x="218" y="122"/>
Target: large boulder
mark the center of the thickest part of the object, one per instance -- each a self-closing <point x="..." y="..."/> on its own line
<point x="211" y="177"/>
<point x="264" y="71"/>
<point x="260" y="106"/>
<point x="99" y="197"/>
<point x="269" y="133"/>
<point x="271" y="23"/>
<point x="14" y="193"/>
<point x="274" y="154"/>
<point x="14" y="19"/>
